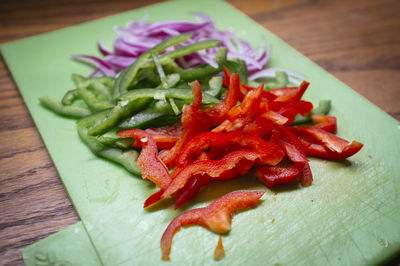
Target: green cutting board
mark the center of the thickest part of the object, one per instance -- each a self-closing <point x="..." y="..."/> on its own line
<point x="349" y="216"/>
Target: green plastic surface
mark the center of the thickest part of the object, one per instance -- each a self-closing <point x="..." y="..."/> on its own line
<point x="349" y="216"/>
<point x="69" y="247"/>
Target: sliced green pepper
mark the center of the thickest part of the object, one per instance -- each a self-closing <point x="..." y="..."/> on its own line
<point x="323" y="108"/>
<point x="64" y="110"/>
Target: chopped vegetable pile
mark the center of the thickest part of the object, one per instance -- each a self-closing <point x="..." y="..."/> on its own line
<point x="182" y="112"/>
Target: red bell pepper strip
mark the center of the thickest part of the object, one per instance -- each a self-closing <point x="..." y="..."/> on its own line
<point x="306" y="177"/>
<point x="249" y="106"/>
<point x="216" y="169"/>
<point x="212" y="116"/>
<point x="153" y="199"/>
<point x="227" y="78"/>
<point x="167" y="136"/>
<point x="322" y="152"/>
<point x="151" y="167"/>
<point x="325" y="122"/>
<point x="190" y="190"/>
<point x="216" y="217"/>
<point x="275" y="117"/>
<point x="261" y="127"/>
<point x="277" y="175"/>
<point x="243" y="114"/>
<point x="290" y="93"/>
<point x="330" y="141"/>
<point x="292" y="146"/>
<point x="190" y="123"/>
<point x="226" y="142"/>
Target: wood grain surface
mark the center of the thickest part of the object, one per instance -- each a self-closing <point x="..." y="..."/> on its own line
<point x="356" y="41"/>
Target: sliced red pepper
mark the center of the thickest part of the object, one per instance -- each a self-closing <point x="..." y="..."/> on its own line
<point x="330" y="141"/>
<point x="272" y="176"/>
<point x="290" y="93"/>
<point x="216" y="217"/>
<point x="325" y="122"/>
<point x="243" y="114"/>
<point x="292" y="146"/>
<point x="306" y="177"/>
<point x="261" y="127"/>
<point x="190" y="190"/>
<point x="212" y="116"/>
<point x="275" y="117"/>
<point x="230" y="141"/>
<point x="189" y="122"/>
<point x="167" y="136"/>
<point x="249" y="106"/>
<point x="153" y="199"/>
<point x="320" y="151"/>
<point x="215" y="169"/>
<point x="227" y="78"/>
<point x="151" y="167"/>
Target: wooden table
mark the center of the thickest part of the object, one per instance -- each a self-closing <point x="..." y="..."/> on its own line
<point x="357" y="41"/>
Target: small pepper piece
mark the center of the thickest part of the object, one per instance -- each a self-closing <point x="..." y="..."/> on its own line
<point x="216" y="217"/>
<point x="151" y="166"/>
<point x="272" y="176"/>
<point x="189" y="123"/>
<point x="325" y="122"/>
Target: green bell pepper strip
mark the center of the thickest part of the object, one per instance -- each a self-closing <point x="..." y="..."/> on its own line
<point x="323" y="108"/>
<point x="156" y="61"/>
<point x="238" y="66"/>
<point x="120" y="143"/>
<point x="162" y="94"/>
<point x="164" y="84"/>
<point x="185" y="50"/>
<point x="130" y="76"/>
<point x="153" y="115"/>
<point x="281" y="80"/>
<point x="126" y="158"/>
<point x="120" y="111"/>
<point x="70" y="97"/>
<point x="215" y="86"/>
<point x="199" y="72"/>
<point x="101" y="85"/>
<point x="65" y="110"/>
<point x="93" y="93"/>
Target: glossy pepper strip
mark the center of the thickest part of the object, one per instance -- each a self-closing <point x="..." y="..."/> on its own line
<point x="152" y="168"/>
<point x="212" y="116"/>
<point x="290" y="144"/>
<point x="290" y="93"/>
<point x="325" y="122"/>
<point x="322" y="144"/>
<point x="230" y="141"/>
<point x="272" y="176"/>
<point x="167" y="136"/>
<point x="216" y="217"/>
<point x="189" y="122"/>
<point x="239" y="116"/>
<point x="222" y="169"/>
<point x="322" y="152"/>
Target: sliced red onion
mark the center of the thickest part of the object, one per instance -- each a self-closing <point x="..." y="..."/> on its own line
<point x="103" y="49"/>
<point x="99" y="63"/>
<point x="139" y="36"/>
<point x="119" y="62"/>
